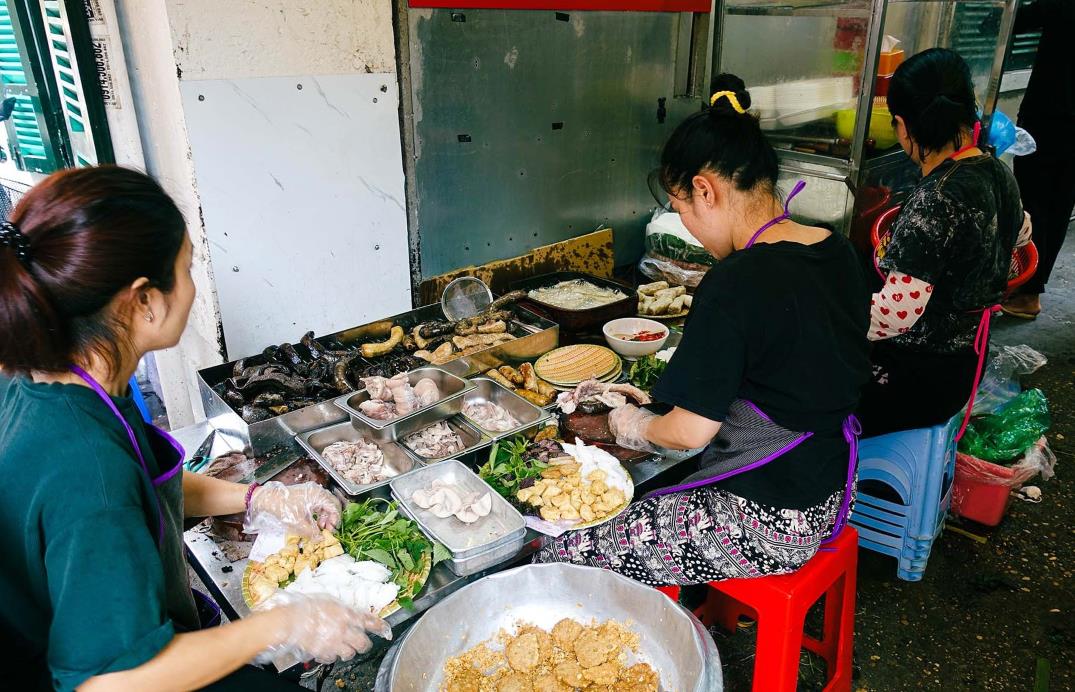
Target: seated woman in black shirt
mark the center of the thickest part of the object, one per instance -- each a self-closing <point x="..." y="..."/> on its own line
<point x="948" y="256"/>
<point x="766" y="377"/>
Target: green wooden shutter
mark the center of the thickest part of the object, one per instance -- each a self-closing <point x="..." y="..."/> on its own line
<point x="47" y="64"/>
<point x="33" y="146"/>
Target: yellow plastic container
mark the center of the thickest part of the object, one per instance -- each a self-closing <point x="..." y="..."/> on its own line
<point x="881" y="130"/>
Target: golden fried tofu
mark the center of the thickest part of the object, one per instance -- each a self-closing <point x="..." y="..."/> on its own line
<point x="614" y="497"/>
<point x="586" y="513"/>
<point x="569" y="513"/>
<point x="592" y="649"/>
<point x="544" y="640"/>
<point x="549" y="683"/>
<point x="597" y="475"/>
<point x="598" y="487"/>
<point x="605" y="674"/>
<point x="550" y="514"/>
<point x="566" y="632"/>
<point x="570" y="673"/>
<point x="640" y="678"/>
<point x="523" y="653"/>
<point x="516" y="682"/>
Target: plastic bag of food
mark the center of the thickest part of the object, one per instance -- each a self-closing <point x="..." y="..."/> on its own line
<point x="672" y="253"/>
<point x="1039" y="459"/>
<point x="1000" y="381"/>
<point x="1011" y="431"/>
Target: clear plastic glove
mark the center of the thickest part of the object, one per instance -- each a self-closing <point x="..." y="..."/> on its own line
<point x="302" y="509"/>
<point x="321" y="628"/>
<point x="630" y="424"/>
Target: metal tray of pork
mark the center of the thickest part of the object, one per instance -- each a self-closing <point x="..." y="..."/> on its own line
<point x="578" y="321"/>
<point x="358" y="464"/>
<point x="454" y="438"/>
<point x="266" y="399"/>
<point x="388" y="413"/>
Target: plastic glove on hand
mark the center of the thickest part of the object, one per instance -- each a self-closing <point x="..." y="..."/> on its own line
<point x="302" y="509"/>
<point x="629" y="424"/>
<point x="321" y="628"/>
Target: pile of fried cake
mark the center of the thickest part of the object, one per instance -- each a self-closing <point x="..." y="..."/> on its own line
<point x="573" y="657"/>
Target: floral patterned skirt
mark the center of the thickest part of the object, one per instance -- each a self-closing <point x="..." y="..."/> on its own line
<point x="698" y="536"/>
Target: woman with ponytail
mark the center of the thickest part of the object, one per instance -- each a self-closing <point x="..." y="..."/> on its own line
<point x="946" y="263"/>
<point x="95" y="273"/>
<point x="765" y="379"/>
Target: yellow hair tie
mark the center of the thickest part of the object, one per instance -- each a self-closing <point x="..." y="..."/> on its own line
<point x="730" y="95"/>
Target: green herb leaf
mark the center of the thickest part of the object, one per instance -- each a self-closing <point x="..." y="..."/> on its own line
<point x="440" y="553"/>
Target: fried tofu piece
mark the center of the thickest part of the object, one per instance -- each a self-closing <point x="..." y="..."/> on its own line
<point x="598" y="487"/>
<point x="544" y="640"/>
<point x="566" y="632"/>
<point x="516" y="682"/>
<point x="607" y="673"/>
<point x="523" y="653"/>
<point x="550" y="514"/>
<point x="549" y="683"/>
<point x="591" y="649"/>
<point x="597" y="475"/>
<point x="586" y="513"/>
<point x="570" y="673"/>
<point x="640" y="678"/>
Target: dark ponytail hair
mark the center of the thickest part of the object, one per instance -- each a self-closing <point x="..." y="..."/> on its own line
<point x="933" y="93"/>
<point x="89" y="233"/>
<point x="722" y="140"/>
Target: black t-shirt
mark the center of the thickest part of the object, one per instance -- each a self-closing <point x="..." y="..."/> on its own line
<point x="782" y="325"/>
<point x="956" y="231"/>
<point x="1048" y="107"/>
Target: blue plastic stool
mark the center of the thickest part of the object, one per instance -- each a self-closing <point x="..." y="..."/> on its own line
<point x="140" y="401"/>
<point x="919" y="466"/>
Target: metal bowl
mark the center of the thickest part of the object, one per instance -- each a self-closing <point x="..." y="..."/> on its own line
<point x="672" y="640"/>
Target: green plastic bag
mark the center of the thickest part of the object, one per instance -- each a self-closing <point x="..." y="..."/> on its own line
<point x="1006" y="434"/>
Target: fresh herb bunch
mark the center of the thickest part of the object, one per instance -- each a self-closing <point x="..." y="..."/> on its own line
<point x="645" y="372"/>
<point x="375" y="530"/>
<point x="510" y="468"/>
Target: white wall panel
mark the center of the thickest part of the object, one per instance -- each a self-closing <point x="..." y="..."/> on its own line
<point x="303" y="201"/>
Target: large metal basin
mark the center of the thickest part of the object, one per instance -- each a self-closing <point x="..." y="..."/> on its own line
<point x="672" y="640"/>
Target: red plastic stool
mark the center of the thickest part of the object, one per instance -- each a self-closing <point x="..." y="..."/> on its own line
<point x="670" y="591"/>
<point x="780" y="603"/>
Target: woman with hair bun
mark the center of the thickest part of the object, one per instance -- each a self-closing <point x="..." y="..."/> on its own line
<point x="947" y="260"/>
<point x="765" y="379"/>
<point x="94" y="274"/>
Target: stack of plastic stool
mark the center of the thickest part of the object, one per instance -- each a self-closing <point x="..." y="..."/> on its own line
<point x="780" y="604"/>
<point x="918" y="466"/>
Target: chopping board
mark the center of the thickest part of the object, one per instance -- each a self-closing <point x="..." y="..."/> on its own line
<point x="593" y="429"/>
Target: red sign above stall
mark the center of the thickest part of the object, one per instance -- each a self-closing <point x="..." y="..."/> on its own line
<point x="570" y="5"/>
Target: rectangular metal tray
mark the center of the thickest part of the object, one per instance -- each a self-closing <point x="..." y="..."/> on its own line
<point x="504" y="524"/>
<point x="474" y="439"/>
<point x="536" y="336"/>
<point x="576" y="321"/>
<point x="452" y="390"/>
<point x="397" y="461"/>
<point x="486" y="389"/>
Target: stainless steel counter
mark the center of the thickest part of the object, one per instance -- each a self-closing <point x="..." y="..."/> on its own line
<point x="223" y="577"/>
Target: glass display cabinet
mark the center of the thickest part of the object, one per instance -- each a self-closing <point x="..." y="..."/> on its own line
<point x="818" y="73"/>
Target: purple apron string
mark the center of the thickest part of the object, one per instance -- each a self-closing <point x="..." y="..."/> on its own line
<point x="852" y="429"/>
<point x="103" y="395"/>
<point x="783" y="217"/>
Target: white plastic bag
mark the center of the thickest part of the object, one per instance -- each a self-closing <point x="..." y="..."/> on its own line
<point x="1000" y="381"/>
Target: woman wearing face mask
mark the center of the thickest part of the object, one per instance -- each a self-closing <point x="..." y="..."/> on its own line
<point x="95" y="273"/>
<point x="948" y="256"/>
<point x="765" y="378"/>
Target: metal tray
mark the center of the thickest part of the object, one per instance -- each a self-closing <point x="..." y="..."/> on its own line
<point x="397" y="461"/>
<point x="671" y="639"/>
<point x="486" y="389"/>
<point x="473" y="438"/>
<point x="452" y="390"/>
<point x="576" y="321"/>
<point x="504" y="524"/>
<point x="536" y="336"/>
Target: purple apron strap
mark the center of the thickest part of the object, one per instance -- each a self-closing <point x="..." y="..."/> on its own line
<point x="103" y="395"/>
<point x="852" y="429"/>
<point x="783" y="217"/>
